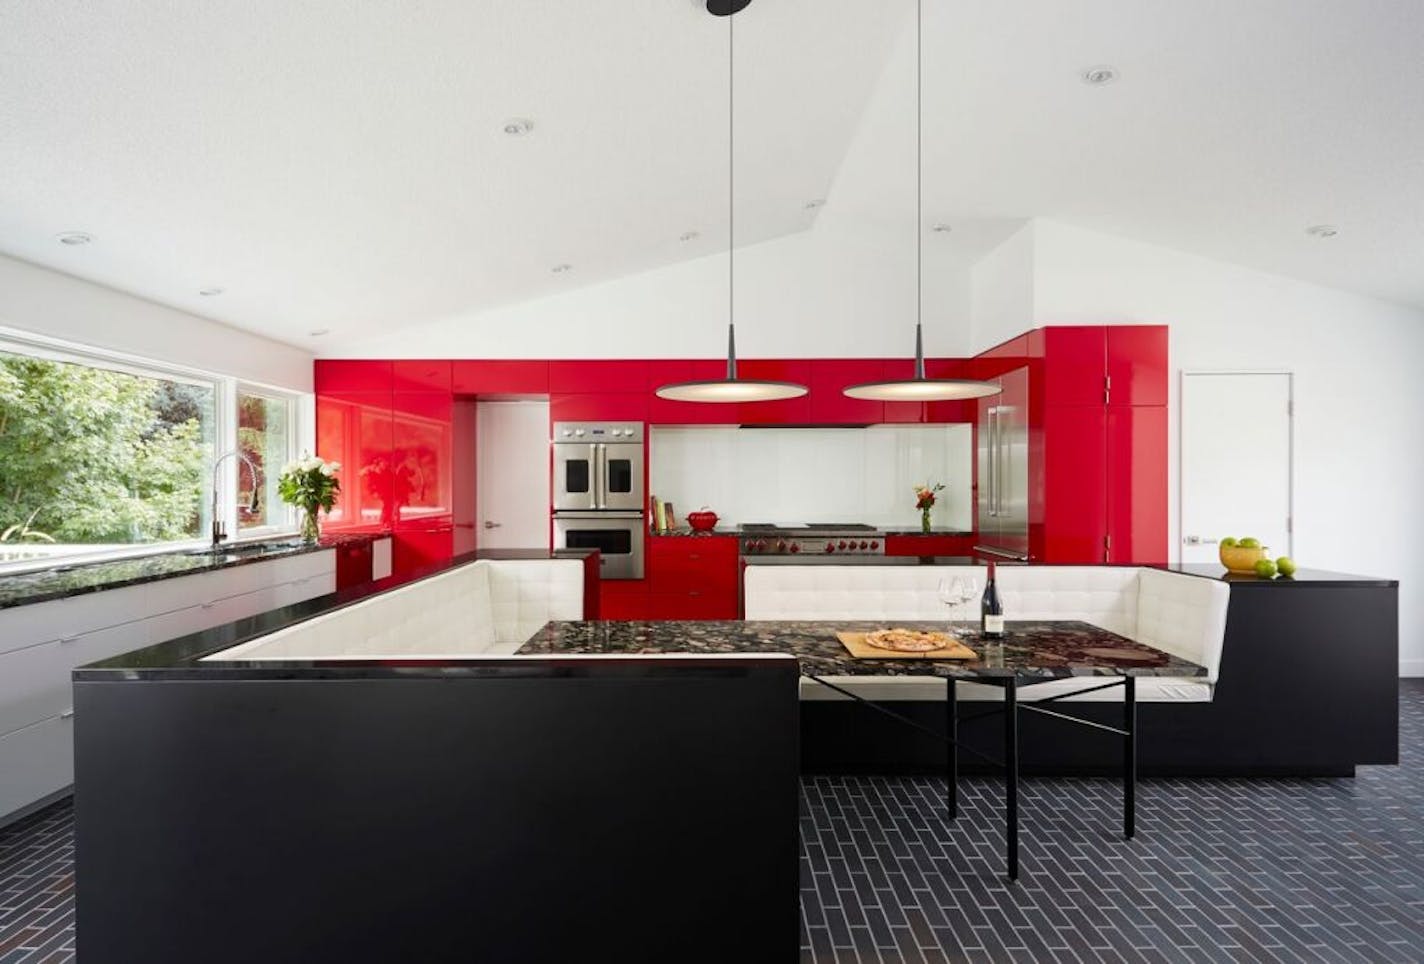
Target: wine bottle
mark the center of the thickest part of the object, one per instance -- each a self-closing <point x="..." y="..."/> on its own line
<point x="991" y="621"/>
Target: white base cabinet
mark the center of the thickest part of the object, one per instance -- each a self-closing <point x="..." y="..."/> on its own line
<point x="41" y="643"/>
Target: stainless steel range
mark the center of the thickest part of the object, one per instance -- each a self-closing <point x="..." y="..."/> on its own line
<point x="812" y="541"/>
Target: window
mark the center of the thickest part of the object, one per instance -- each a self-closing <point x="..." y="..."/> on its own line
<point x="264" y="436"/>
<point x="94" y="457"/>
<point x="107" y="455"/>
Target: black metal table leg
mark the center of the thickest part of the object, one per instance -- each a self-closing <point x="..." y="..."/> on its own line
<point x="951" y="726"/>
<point x="1129" y="757"/>
<point x="1011" y="774"/>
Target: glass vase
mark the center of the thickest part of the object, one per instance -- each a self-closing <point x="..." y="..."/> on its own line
<point x="311" y="526"/>
<point x="925" y="520"/>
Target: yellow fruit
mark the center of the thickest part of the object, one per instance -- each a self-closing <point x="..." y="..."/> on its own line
<point x="1266" y="569"/>
<point x="1286" y="566"/>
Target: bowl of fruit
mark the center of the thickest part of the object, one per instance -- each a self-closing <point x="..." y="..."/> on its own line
<point x="1247" y="557"/>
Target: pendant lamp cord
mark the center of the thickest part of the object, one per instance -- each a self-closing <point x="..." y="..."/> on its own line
<point x="919" y="188"/>
<point x="731" y="195"/>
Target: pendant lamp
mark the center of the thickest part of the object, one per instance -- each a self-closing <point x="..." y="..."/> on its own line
<point x="919" y="388"/>
<point x="731" y="388"/>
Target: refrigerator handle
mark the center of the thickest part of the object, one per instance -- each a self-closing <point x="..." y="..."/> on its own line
<point x="994" y="461"/>
<point x="1005" y="464"/>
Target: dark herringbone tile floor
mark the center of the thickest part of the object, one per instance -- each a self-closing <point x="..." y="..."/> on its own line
<point x="1221" y="870"/>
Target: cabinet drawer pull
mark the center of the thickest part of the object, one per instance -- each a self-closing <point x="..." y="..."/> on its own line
<point x="67" y="713"/>
<point x="68" y="639"/>
<point x="209" y="605"/>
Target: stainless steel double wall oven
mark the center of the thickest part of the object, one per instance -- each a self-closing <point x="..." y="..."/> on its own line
<point x="598" y="493"/>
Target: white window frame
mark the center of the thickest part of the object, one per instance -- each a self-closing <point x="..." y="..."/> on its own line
<point x="225" y="388"/>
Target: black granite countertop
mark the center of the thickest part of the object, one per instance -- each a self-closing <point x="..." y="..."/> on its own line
<point x="517" y="554"/>
<point x="686" y="533"/>
<point x="63" y="581"/>
<point x="918" y="531"/>
<point x="1046" y="650"/>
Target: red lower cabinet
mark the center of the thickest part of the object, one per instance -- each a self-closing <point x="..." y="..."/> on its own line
<point x="1075" y="469"/>
<point x="692" y="577"/>
<point x="1137" y="484"/>
<point x="353" y="565"/>
<point x="929" y="545"/>
<point x="623" y="599"/>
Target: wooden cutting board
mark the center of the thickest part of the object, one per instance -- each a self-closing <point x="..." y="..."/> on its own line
<point x="857" y="646"/>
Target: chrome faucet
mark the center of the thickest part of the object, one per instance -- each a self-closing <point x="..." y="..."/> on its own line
<point x="219" y="529"/>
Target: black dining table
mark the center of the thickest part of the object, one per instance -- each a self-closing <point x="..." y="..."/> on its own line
<point x="1028" y="654"/>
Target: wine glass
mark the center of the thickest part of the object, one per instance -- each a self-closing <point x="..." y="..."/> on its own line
<point x="969" y="590"/>
<point x="951" y="593"/>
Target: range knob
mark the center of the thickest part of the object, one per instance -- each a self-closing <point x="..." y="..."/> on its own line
<point x="874" y="544"/>
<point x="568" y="432"/>
<point x="578" y="432"/>
<point x="830" y="547"/>
<point x="795" y="547"/>
<point x="780" y="545"/>
<point x="864" y="544"/>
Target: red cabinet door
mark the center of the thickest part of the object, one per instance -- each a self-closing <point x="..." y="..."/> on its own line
<point x="1075" y="365"/>
<point x="420" y="376"/>
<point x="500" y="377"/>
<point x="662" y="411"/>
<point x="353" y="565"/>
<point x="929" y="545"/>
<point x="1137" y="364"/>
<point x="1075" y="524"/>
<point x="682" y="564"/>
<point x="1137" y="484"/>
<point x="421" y="485"/>
<point x="355" y="429"/>
<point x="606" y="377"/>
<point x="962" y="410"/>
<point x="340" y="375"/>
<point x="896" y="369"/>
<point x="626" y="407"/>
<point x="793" y="411"/>
<point x="829" y="379"/>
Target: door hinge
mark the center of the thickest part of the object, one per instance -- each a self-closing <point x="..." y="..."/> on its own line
<point x="1107" y="389"/>
<point x="1290" y="524"/>
<point x="1290" y="409"/>
<point x="1107" y="547"/>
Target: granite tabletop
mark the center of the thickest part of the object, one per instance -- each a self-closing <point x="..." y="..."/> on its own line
<point x="1044" y="650"/>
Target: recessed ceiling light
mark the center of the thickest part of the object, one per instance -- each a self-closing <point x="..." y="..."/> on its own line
<point x="942" y="228"/>
<point x="318" y="332"/>
<point x="1322" y="230"/>
<point x="73" y="238"/>
<point x="688" y="236"/>
<point x="211" y="291"/>
<point x="1100" y="75"/>
<point x="561" y="268"/>
<point x="518" y="126"/>
<point x="818" y="202"/>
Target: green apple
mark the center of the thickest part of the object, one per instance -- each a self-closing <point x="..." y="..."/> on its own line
<point x="1250" y="542"/>
<point x="1265" y="568"/>
<point x="1286" y="566"/>
<point x="1228" y="542"/>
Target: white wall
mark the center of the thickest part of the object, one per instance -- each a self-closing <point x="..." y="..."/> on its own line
<point x="49" y="303"/>
<point x="814" y="475"/>
<point x="1002" y="289"/>
<point x="837" y="291"/>
<point x="1358" y="400"/>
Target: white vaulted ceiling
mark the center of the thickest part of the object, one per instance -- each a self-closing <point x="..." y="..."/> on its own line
<point x="342" y="165"/>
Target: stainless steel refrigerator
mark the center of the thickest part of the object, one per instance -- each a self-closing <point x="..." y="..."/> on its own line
<point x="1004" y="468"/>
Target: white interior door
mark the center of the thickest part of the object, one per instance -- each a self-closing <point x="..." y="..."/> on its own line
<point x="512" y="484"/>
<point x="1236" y="461"/>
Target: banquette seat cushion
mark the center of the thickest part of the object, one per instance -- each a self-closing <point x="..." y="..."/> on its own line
<point x="484" y="607"/>
<point x="1180" y="614"/>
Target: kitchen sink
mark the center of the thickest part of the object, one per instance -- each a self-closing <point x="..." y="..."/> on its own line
<point x="243" y="551"/>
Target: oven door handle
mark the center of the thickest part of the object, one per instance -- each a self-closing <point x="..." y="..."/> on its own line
<point x="600" y="464"/>
<point x="594" y="486"/>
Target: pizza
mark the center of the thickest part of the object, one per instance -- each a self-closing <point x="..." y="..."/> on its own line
<point x="908" y="640"/>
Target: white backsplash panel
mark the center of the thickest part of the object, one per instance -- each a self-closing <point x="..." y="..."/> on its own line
<point x="794" y="475"/>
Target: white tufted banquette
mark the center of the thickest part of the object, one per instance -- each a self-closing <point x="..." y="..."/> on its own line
<point x="487" y="607"/>
<point x="1179" y="614"/>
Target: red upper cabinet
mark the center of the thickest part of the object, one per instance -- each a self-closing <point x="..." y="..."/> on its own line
<point x="1075" y="472"/>
<point x="348" y="375"/>
<point x="897" y="369"/>
<point x="420" y="376"/>
<point x="793" y="411"/>
<point x="591" y="407"/>
<point x="963" y="410"/>
<point x="600" y="377"/>
<point x="663" y="411"/>
<point x="1075" y="365"/>
<point x="355" y="429"/>
<point x="1137" y="364"/>
<point x="501" y="377"/>
<point x="829" y="379"/>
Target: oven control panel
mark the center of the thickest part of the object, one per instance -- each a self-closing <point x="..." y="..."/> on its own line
<point x="782" y="545"/>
